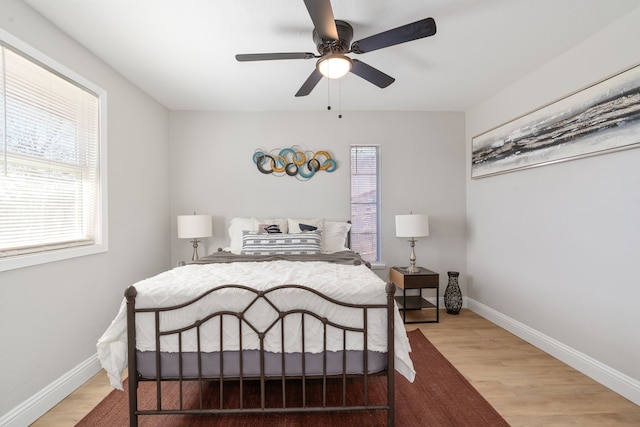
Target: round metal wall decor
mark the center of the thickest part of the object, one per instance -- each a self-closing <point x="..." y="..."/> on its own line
<point x="293" y="162"/>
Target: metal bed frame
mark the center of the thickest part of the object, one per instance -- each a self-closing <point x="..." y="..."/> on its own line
<point x="327" y="405"/>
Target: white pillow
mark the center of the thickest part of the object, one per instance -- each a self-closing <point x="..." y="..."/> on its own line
<point x="294" y="224"/>
<point x="236" y="227"/>
<point x="335" y="236"/>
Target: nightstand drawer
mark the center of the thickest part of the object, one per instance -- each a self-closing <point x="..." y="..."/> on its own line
<point x="423" y="279"/>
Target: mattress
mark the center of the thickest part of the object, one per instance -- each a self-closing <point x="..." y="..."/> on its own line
<point x="344" y="282"/>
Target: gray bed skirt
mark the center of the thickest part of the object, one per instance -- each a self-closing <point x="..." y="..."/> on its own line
<point x="273" y="362"/>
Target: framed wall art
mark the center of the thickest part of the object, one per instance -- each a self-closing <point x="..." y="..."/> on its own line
<point x="601" y="118"/>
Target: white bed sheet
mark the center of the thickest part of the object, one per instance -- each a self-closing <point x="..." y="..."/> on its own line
<point x="347" y="283"/>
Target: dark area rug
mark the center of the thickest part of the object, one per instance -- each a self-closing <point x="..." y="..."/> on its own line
<point x="440" y="396"/>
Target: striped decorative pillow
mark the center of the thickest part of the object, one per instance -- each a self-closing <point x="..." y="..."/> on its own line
<point x="308" y="243"/>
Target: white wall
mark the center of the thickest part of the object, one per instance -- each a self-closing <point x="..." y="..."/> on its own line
<point x="422" y="170"/>
<point x="555" y="248"/>
<point x="52" y="315"/>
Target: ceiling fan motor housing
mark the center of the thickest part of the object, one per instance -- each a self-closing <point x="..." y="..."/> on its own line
<point x="345" y="35"/>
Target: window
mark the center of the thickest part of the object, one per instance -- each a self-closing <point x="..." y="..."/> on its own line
<point x="365" y="201"/>
<point x="51" y="160"/>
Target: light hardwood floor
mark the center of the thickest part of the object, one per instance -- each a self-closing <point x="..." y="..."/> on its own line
<point x="525" y="385"/>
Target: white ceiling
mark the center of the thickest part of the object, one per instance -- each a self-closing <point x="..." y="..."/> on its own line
<point x="181" y="52"/>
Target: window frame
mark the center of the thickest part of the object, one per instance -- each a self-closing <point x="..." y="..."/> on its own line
<point x="378" y="222"/>
<point x="101" y="241"/>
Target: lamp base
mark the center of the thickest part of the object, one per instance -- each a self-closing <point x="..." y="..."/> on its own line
<point x="413" y="269"/>
<point x="195" y="256"/>
<point x="412" y="258"/>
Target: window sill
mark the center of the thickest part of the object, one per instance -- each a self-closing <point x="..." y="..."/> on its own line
<point x="13" y="263"/>
<point x="378" y="265"/>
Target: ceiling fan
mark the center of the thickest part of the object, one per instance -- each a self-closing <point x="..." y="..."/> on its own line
<point x="332" y="38"/>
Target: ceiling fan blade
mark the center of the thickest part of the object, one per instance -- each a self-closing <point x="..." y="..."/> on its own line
<point x="406" y="33"/>
<point x="310" y="83"/>
<point x="271" y="56"/>
<point x="322" y="17"/>
<point x="371" y="74"/>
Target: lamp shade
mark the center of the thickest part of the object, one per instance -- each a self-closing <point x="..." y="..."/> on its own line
<point x="334" y="66"/>
<point x="412" y="225"/>
<point x="194" y="226"/>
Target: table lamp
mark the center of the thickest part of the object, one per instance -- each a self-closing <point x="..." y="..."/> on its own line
<point x="194" y="227"/>
<point x="412" y="226"/>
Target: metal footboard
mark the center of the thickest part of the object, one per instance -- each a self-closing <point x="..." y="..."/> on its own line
<point x="195" y="389"/>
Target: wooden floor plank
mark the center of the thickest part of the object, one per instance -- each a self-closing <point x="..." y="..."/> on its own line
<point x="527" y="386"/>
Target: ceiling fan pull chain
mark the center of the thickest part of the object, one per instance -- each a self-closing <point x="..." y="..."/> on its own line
<point x="328" y="94"/>
<point x="340" y="99"/>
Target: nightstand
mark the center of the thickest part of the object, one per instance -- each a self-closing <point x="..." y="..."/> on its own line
<point x="423" y="279"/>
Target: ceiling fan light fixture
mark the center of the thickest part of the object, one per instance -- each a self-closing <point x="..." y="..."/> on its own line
<point x="334" y="66"/>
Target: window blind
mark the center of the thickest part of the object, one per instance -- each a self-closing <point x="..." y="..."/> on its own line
<point x="365" y="198"/>
<point x="49" y="158"/>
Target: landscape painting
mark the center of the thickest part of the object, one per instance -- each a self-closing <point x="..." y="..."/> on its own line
<point x="601" y="118"/>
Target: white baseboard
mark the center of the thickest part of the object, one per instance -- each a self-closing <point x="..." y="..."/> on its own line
<point x="605" y="375"/>
<point x="38" y="404"/>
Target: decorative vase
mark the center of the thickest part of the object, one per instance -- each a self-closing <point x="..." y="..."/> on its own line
<point x="452" y="295"/>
